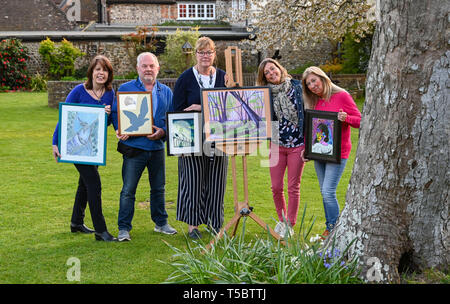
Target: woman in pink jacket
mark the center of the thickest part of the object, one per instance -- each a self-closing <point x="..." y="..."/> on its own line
<point x="319" y="93"/>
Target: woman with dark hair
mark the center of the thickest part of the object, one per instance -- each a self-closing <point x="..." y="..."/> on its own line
<point x="96" y="90"/>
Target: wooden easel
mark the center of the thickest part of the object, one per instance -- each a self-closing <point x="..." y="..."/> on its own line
<point x="234" y="67"/>
<point x="241" y="209"/>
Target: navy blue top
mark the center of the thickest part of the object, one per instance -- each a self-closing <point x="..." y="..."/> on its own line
<point x="80" y="95"/>
<point x="187" y="89"/>
<point x="162" y="103"/>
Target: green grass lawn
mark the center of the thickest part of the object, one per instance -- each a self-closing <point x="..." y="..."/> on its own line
<point x="37" y="196"/>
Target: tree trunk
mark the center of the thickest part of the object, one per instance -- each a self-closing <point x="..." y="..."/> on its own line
<point x="398" y="197"/>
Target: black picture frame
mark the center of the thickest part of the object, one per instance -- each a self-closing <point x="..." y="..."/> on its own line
<point x="184" y="133"/>
<point x="321" y="128"/>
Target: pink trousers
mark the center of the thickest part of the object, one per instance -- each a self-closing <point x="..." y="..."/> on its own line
<point x="280" y="159"/>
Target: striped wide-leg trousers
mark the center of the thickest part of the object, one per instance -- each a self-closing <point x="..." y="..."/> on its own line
<point x="201" y="190"/>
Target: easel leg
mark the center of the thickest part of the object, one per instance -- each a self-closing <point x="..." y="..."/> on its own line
<point x="265" y="227"/>
<point x="242" y="209"/>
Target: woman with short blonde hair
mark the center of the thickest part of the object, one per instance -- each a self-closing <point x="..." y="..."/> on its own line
<point x="201" y="179"/>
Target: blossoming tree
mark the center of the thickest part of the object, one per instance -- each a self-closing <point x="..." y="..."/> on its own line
<point x="301" y="23"/>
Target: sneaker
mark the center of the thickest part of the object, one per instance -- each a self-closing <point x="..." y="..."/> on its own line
<point x="124" y="235"/>
<point x="280" y="229"/>
<point x="195" y="234"/>
<point x="291" y="231"/>
<point x="166" y="229"/>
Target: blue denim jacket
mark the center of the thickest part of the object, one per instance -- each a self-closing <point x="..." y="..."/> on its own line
<point x="162" y="95"/>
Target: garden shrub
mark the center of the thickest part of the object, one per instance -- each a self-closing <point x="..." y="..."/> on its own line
<point x="60" y="59"/>
<point x="38" y="83"/>
<point x="140" y="42"/>
<point x="13" y="66"/>
<point x="333" y="67"/>
<point x="300" y="69"/>
<point x="356" y="54"/>
<point x="173" y="59"/>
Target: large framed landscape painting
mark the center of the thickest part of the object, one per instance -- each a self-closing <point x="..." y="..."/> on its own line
<point x="322" y="136"/>
<point x="135" y="113"/>
<point x="82" y="133"/>
<point x="234" y="115"/>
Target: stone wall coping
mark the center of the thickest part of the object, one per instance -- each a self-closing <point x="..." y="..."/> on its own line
<point x="216" y="33"/>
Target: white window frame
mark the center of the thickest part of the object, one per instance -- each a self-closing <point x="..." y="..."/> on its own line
<point x="237" y="5"/>
<point x="197" y="9"/>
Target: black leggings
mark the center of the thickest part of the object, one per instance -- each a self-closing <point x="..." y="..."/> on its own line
<point x="89" y="190"/>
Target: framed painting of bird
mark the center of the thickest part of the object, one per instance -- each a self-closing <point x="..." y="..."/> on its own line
<point x="135" y="113"/>
<point x="82" y="134"/>
<point x="234" y="115"/>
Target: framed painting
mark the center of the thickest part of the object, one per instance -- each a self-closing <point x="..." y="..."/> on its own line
<point x="322" y="136"/>
<point x="184" y="133"/>
<point x="233" y="115"/>
<point x="82" y="134"/>
<point x="135" y="113"/>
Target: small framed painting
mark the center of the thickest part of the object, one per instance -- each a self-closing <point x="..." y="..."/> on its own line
<point x="135" y="113"/>
<point x="82" y="134"/>
<point x="184" y="133"/>
<point x="322" y="136"/>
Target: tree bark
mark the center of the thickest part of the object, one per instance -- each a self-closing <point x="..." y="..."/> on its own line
<point x="397" y="203"/>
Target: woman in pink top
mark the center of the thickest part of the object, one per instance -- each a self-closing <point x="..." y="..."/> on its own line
<point x="319" y="93"/>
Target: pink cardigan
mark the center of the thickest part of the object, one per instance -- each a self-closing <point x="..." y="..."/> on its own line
<point x="344" y="101"/>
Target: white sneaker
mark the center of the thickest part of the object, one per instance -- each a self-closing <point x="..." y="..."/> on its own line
<point x="166" y="229"/>
<point x="280" y="228"/>
<point x="123" y="235"/>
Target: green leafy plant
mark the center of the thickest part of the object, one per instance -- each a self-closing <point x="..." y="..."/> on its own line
<point x="144" y="40"/>
<point x="356" y="54"/>
<point x="334" y="66"/>
<point x="173" y="59"/>
<point x="300" y="69"/>
<point x="60" y="58"/>
<point x="38" y="83"/>
<point x="13" y="70"/>
<point x="264" y="260"/>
